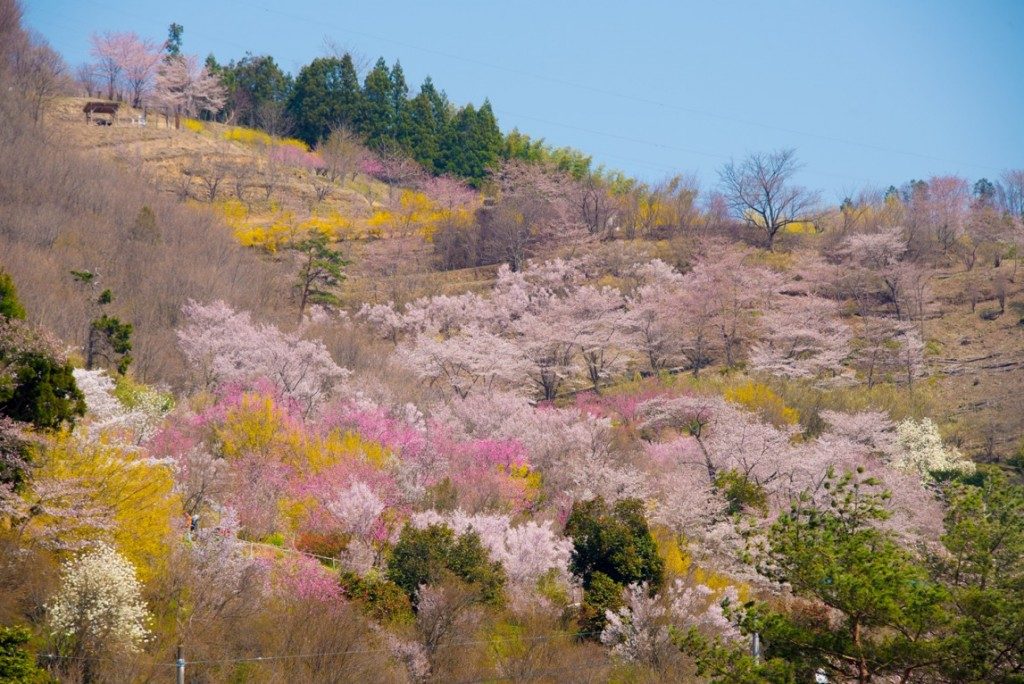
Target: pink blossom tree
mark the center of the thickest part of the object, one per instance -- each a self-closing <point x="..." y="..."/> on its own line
<point x="225" y="346"/>
<point x="140" y="59"/>
<point x="186" y="88"/>
<point x="474" y="360"/>
<point x="803" y="338"/>
<point x="108" y="50"/>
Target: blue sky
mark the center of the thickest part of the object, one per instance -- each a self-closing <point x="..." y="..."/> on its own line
<point x="869" y="92"/>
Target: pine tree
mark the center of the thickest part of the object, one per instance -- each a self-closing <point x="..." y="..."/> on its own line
<point x="10" y="306"/>
<point x="377" y="113"/>
<point x="350" y="100"/>
<point x="472" y="144"/>
<point x="320" y="272"/>
<point x="319" y="99"/>
<point x="419" y="132"/>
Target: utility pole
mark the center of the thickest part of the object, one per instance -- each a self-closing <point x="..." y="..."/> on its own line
<point x="180" y="665"/>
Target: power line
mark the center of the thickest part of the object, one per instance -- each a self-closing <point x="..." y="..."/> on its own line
<point x="602" y="91"/>
<point x="610" y="93"/>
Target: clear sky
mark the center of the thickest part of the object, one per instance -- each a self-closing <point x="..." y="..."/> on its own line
<point x="870" y="92"/>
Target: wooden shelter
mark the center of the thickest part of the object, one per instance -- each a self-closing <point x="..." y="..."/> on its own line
<point x="93" y="108"/>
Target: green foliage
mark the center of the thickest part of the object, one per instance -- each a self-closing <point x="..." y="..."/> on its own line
<point x="835" y="554"/>
<point x="173" y="45"/>
<point x="377" y="116"/>
<point x="517" y="145"/>
<point x="741" y="493"/>
<point x="254" y="85"/>
<point x="425" y="556"/>
<point x="724" y="663"/>
<point x="602" y="595"/>
<point x="379" y="598"/>
<point x="111" y="340"/>
<point x="17" y="665"/>
<point x="326" y="95"/>
<point x="10" y="306"/>
<point x="613" y="541"/>
<point x="985" y="571"/>
<point x="320" y="272"/>
<point x="42" y="392"/>
<point x="471" y="144"/>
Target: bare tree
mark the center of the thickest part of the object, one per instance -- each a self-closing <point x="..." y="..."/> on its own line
<point x="39" y="74"/>
<point x="341" y="154"/>
<point x="210" y="172"/>
<point x="760" y="193"/>
<point x="1010" y="191"/>
<point x="274" y="119"/>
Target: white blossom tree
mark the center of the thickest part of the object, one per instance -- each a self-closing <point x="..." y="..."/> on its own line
<point x="99" y="605"/>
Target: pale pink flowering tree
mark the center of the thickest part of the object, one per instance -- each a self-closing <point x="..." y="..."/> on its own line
<point x="550" y="347"/>
<point x="384" y="320"/>
<point x="186" y="88"/>
<point x="473" y="361"/>
<point x="225" y="346"/>
<point x="639" y="631"/>
<point x="356" y="509"/>
<point x="140" y="59"/>
<point x="702" y="607"/>
<point x="450" y="193"/>
<point x="803" y="338"/>
<point x="654" y="309"/>
<point x="738" y="292"/>
<point x="602" y="335"/>
<point x="107" y="50"/>
<point x="223" y="573"/>
<point x="719" y="437"/>
<point x="54" y="513"/>
<point x="943" y="207"/>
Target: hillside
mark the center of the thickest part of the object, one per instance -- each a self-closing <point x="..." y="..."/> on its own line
<point x="417" y="401"/>
<point x="974" y="365"/>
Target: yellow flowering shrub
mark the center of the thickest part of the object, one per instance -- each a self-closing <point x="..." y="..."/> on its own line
<point x="760" y="399"/>
<point x="136" y="493"/>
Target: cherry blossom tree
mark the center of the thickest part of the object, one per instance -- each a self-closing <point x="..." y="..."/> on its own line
<point x="601" y="322"/>
<point x="653" y="314"/>
<point x="356" y="509"/>
<point x="223" y="346"/>
<point x="108" y="50"/>
<point x="803" y="338"/>
<point x="140" y="59"/>
<point x="186" y="88"/>
<point x="474" y="360"/>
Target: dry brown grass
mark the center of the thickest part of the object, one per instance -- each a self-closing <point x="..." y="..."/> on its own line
<point x="63" y="208"/>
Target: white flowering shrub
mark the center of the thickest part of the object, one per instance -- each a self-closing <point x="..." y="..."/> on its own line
<point x="107" y="415"/>
<point x="637" y="631"/>
<point x="527" y="552"/>
<point x="100" y="601"/>
<point x="356" y="509"/>
<point x="921" y="451"/>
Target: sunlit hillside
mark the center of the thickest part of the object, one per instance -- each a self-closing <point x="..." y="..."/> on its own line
<point x="307" y="378"/>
